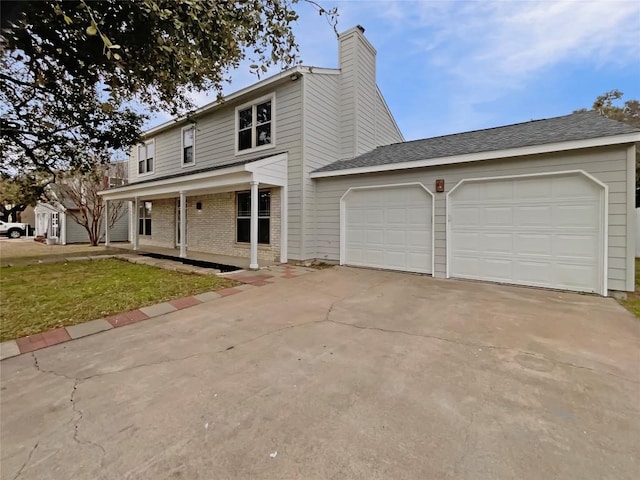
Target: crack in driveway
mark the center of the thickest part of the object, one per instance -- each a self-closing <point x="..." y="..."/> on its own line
<point x="33" y="449"/>
<point x="76" y="427"/>
<point x="478" y="345"/>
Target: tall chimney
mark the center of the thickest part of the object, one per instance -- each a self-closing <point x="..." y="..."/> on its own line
<point x="358" y="92"/>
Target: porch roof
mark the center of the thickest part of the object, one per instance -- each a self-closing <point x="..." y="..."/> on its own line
<point x="269" y="170"/>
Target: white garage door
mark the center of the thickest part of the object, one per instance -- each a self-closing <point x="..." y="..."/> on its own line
<point x="545" y="231"/>
<point x="389" y="227"/>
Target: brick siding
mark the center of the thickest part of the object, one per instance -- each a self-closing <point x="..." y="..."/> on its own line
<point x="212" y="229"/>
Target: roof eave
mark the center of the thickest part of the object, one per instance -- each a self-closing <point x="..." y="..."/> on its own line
<point x="488" y="155"/>
<point x="274" y="79"/>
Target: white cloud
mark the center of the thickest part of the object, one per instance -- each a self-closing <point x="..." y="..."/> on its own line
<point x="464" y="54"/>
<point x="485" y="50"/>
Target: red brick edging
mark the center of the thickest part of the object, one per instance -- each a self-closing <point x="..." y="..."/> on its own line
<point x="59" y="335"/>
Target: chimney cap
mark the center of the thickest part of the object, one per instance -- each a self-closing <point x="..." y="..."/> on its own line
<point x="360" y="27"/>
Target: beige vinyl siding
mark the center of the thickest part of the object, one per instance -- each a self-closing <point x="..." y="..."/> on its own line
<point x="387" y="131"/>
<point x="323" y="114"/>
<point x="321" y="141"/>
<point x="347" y="98"/>
<point x="366" y="105"/>
<point x="608" y="165"/>
<point x="357" y="95"/>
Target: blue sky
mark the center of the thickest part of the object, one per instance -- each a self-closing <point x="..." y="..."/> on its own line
<point x="456" y="65"/>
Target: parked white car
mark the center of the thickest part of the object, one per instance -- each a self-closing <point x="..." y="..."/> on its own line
<point x="13" y="230"/>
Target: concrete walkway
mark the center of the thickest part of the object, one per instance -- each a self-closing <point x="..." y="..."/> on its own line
<point x="249" y="280"/>
<point x="342" y="373"/>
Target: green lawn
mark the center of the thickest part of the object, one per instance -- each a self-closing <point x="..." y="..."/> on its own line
<point x="632" y="303"/>
<point x="36" y="298"/>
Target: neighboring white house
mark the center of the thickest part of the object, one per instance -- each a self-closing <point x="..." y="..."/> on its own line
<point x="54" y="222"/>
<point x="310" y="164"/>
<point x="55" y="219"/>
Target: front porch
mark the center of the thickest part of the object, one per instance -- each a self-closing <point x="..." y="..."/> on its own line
<point x="233" y="215"/>
<point x="234" y="261"/>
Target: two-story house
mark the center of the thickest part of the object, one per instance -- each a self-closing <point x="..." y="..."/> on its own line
<point x="310" y="164"/>
<point x="234" y="177"/>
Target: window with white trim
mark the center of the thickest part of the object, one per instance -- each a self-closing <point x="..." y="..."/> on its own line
<point x="254" y="125"/>
<point x="55" y="219"/>
<point x="243" y="219"/>
<point x="146" y="153"/>
<point x="144" y="219"/>
<point x="188" y="141"/>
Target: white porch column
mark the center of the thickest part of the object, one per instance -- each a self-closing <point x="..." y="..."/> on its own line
<point x="136" y="222"/>
<point x="130" y="217"/>
<point x="284" y="222"/>
<point x="254" y="226"/>
<point x="106" y="223"/>
<point x="63" y="228"/>
<point x="183" y="225"/>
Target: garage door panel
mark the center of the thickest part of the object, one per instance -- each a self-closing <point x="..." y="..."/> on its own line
<point x="568" y="187"/>
<point x="418" y="239"/>
<point x="416" y="217"/>
<point x="498" y="242"/>
<point x="395" y="216"/>
<point x="534" y="215"/>
<point x="466" y="266"/>
<point x="372" y="217"/>
<point x="355" y="216"/>
<point x="533" y="244"/>
<point x="532" y="189"/>
<point x="467" y="216"/>
<point x="498" y="269"/>
<point x="533" y="272"/>
<point x="498" y="216"/>
<point x="553" y="238"/>
<point x="574" y="245"/>
<point x="374" y="237"/>
<point x="472" y="193"/>
<point x="394" y="260"/>
<point x="356" y="237"/>
<point x="466" y="241"/>
<point x="395" y="238"/>
<point x="416" y="258"/>
<point x="499" y="191"/>
<point x="575" y="277"/>
<point x="575" y="215"/>
<point x="390" y="228"/>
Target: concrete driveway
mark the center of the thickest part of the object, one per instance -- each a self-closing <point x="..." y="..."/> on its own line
<point x="343" y="373"/>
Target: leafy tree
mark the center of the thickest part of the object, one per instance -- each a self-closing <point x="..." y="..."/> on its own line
<point x="16" y="194"/>
<point x="68" y="69"/>
<point x="77" y="191"/>
<point x="628" y="112"/>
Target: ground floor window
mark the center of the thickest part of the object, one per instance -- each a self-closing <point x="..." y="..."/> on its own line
<point x="243" y="219"/>
<point x="144" y="219"/>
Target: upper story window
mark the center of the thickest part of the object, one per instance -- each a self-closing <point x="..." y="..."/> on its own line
<point x="255" y="125"/>
<point x="146" y="153"/>
<point x="188" y="145"/>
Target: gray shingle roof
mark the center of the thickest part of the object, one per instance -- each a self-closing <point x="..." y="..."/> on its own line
<point x="577" y="126"/>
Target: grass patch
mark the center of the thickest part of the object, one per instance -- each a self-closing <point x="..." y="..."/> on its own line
<point x="25" y="252"/>
<point x="632" y="303"/>
<point x="36" y="298"/>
